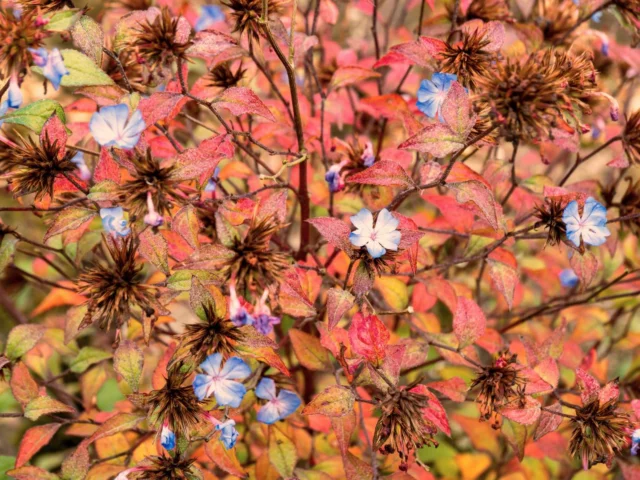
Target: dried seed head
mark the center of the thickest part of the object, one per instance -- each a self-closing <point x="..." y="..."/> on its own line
<point x="115" y="290"/>
<point x="485" y="10"/>
<point x="44" y="6"/>
<point x="35" y="168"/>
<point x="549" y="216"/>
<point x="599" y="432"/>
<point x="631" y="137"/>
<point x="221" y="76"/>
<point x="630" y="204"/>
<point x="501" y="385"/>
<point x="18" y="36"/>
<point x="167" y="468"/>
<point x="175" y="402"/>
<point x="247" y="13"/>
<point x="402" y="427"/>
<point x="131" y="5"/>
<point x="214" y="335"/>
<point x="557" y="20"/>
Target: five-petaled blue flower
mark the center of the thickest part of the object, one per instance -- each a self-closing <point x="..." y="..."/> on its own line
<point x="432" y="94"/>
<point x="384" y="236"/>
<point x="51" y="63"/>
<point x="210" y="14"/>
<point x="221" y="381"/>
<point x="113" y="221"/>
<point x="278" y="407"/>
<point x="112" y="127"/>
<point x="568" y="278"/>
<point x="167" y="438"/>
<point x="591" y="226"/>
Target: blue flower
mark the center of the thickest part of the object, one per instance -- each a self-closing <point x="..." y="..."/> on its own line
<point x="368" y="157"/>
<point x="432" y="94"/>
<point x="113" y="221"/>
<point x="635" y="442"/>
<point x="167" y="438"/>
<point x="15" y="94"/>
<point x="228" y="434"/>
<point x="568" y="278"/>
<point x="277" y="407"/>
<point x="591" y="226"/>
<point x="263" y="320"/>
<point x="220" y="381"/>
<point x="112" y="127"/>
<point x="78" y="160"/>
<point x="596" y="17"/>
<point x="384" y="236"/>
<point x="212" y="184"/>
<point x="210" y="14"/>
<point x="51" y="63"/>
<point x="334" y="179"/>
<point x="237" y="311"/>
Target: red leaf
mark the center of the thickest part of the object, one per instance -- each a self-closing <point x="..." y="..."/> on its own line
<point x="504" y="278"/>
<point x="200" y="162"/>
<point x="589" y="386"/>
<point x="524" y="416"/>
<point x="335" y="231"/>
<point x="420" y="52"/>
<point x="186" y="223"/>
<point x="475" y="190"/>
<point x="160" y="105"/>
<point x="436" y="138"/>
<point x="214" y="47"/>
<point x="293" y="299"/>
<point x="343" y="427"/>
<point x="469" y="323"/>
<point x="454" y="388"/>
<point x="384" y="173"/>
<point x="56" y="133"/>
<point x="339" y="302"/>
<point x="549" y="422"/>
<point x="391" y="106"/>
<point x="23" y="386"/>
<point x="456" y="110"/>
<point x="434" y="412"/>
<point x="240" y="100"/>
<point x="369" y="337"/>
<point x="585" y="266"/>
<point x="106" y="168"/>
<point x="33" y="440"/>
<point x="610" y="391"/>
<point x="350" y="75"/>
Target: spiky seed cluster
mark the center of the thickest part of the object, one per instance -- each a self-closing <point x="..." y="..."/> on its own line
<point x="18" y="35"/>
<point x="325" y="70"/>
<point x="557" y="20"/>
<point x="501" y="385"/>
<point x="133" y="67"/>
<point x="254" y="260"/>
<point x="631" y="137"/>
<point x="155" y="41"/>
<point x="402" y="427"/>
<point x="167" y="468"/>
<point x="36" y="167"/>
<point x="45" y="6"/>
<point x="469" y="58"/>
<point x="131" y="5"/>
<point x="485" y="10"/>
<point x="214" y="335"/>
<point x="175" y="402"/>
<point x="599" y="432"/>
<point x="247" y="13"/>
<point x="528" y="97"/>
<point x="115" y="289"/>
<point x="549" y="216"/>
<point x="629" y="203"/>
<point x="149" y="176"/>
<point x="222" y="76"/>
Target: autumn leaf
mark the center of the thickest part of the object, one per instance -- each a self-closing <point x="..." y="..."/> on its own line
<point x="334" y="401"/>
<point x="369" y="337"/>
<point x="335" y="231"/>
<point x="128" y="361"/>
<point x="33" y="440"/>
<point x="549" y="421"/>
<point x="282" y="452"/>
<point x="436" y="138"/>
<point x="43" y="405"/>
<point x="469" y="322"/>
<point x="225" y="459"/>
<point x="350" y="75"/>
<point x="384" y="173"/>
<point x="309" y="350"/>
<point x="22" y="338"/>
<point x="160" y="106"/>
<point x="241" y="100"/>
<point x="339" y="302"/>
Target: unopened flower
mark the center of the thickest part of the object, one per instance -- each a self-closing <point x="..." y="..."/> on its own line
<point x="227" y="429"/>
<point x="14" y="94"/>
<point x="167" y="437"/>
<point x="238" y="311"/>
<point x="213" y="335"/>
<point x="152" y="217"/>
<point x="263" y="321"/>
<point x="175" y="404"/>
<point x="501" y="385"/>
<point x="212" y="184"/>
<point x="114" y="222"/>
<point x="550" y="217"/>
<point x="278" y="407"/>
<point x="333" y="177"/>
<point x="432" y="94"/>
<point x="568" y="278"/>
<point x="83" y="170"/>
<point x="220" y="381"/>
<point x="210" y="15"/>
<point x="590" y="227"/>
<point x="384" y="236"/>
<point x="112" y="127"/>
<point x="52" y="65"/>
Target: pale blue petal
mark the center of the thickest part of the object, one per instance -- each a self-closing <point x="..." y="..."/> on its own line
<point x="386" y="222"/>
<point x="211" y="365"/>
<point x="574" y="237"/>
<point x="235" y="368"/>
<point x="268" y="414"/>
<point x="429" y="107"/>
<point x="375" y="249"/>
<point x="594" y="213"/>
<point x="288" y="403"/>
<point x="266" y="389"/>
<point x="594" y="235"/>
<point x="229" y="393"/>
<point x="131" y="133"/>
<point x="14" y="95"/>
<point x="570" y="214"/>
<point x="389" y="240"/>
<point x="358" y="240"/>
<point x="363" y="220"/>
<point x="201" y="384"/>
<point x="229" y="436"/>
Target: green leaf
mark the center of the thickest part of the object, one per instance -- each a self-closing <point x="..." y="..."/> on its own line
<point x="282" y="452"/>
<point x="83" y="72"/>
<point x="22" y="339"/>
<point x="6" y="464"/>
<point x="69" y="219"/>
<point x="43" y="406"/>
<point x="88" y="36"/>
<point x="181" y="280"/>
<point x="87" y="357"/>
<point x="128" y="362"/>
<point x="7" y="250"/>
<point x="63" y="20"/>
<point x="108" y="395"/>
<point x="34" y="115"/>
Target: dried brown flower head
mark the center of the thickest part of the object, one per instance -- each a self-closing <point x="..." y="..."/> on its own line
<point x="599" y="432"/>
<point x="470" y="59"/>
<point x="223" y="77"/>
<point x="549" y="216"/>
<point x="402" y="427"/>
<point x="131" y="5"/>
<point x="18" y="35"/>
<point x="175" y="403"/>
<point x="630" y="204"/>
<point x="501" y="385"/>
<point x="45" y="6"/>
<point x="214" y="335"/>
<point x="533" y="96"/>
<point x="253" y="258"/>
<point x="326" y="70"/>
<point x="134" y="69"/>
<point x="167" y="468"/>
<point x="557" y="20"/>
<point x="115" y="289"/>
<point x="149" y="176"/>
<point x="36" y="167"/>
<point x="631" y="137"/>
<point x="485" y="10"/>
<point x="247" y="13"/>
<point x="158" y="43"/>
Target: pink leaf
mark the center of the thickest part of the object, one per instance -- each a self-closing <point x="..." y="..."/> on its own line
<point x="469" y="323"/>
<point x="504" y="278"/>
<point x="525" y="416"/>
<point x="339" y="302"/>
<point x="106" y="168"/>
<point x="293" y="299"/>
<point x="476" y="191"/>
<point x="420" y="52"/>
<point x="434" y="412"/>
<point x="214" y="47"/>
<point x="585" y="266"/>
<point x="335" y="231"/>
<point x="369" y="337"/>
<point x="611" y="391"/>
<point x="201" y="162"/>
<point x="55" y="132"/>
<point x="455" y="388"/>
<point x="436" y="138"/>
<point x="549" y="422"/>
<point x="456" y="110"/>
<point x="350" y="75"/>
<point x="241" y="100"/>
<point x="159" y="106"/>
<point x="589" y="386"/>
<point x="385" y="173"/>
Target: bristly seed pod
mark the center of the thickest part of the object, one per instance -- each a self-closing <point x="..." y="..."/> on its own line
<point x="18" y="34"/>
<point x="247" y="13"/>
<point x="221" y="76"/>
<point x="167" y="468"/>
<point x="549" y="216"/>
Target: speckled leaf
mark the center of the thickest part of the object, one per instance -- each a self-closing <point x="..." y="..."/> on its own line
<point x="76" y="466"/>
<point x="86" y="357"/>
<point x="45" y="405"/>
<point x="159" y="106"/>
<point x="23" y="386"/>
<point x="456" y="110"/>
<point x="585" y="266"/>
<point x="88" y="36"/>
<point x="549" y="422"/>
<point x="282" y="452"/>
<point x="22" y="338"/>
<point x="505" y="279"/>
<point x="339" y="302"/>
<point x="153" y="247"/>
<point x="469" y="323"/>
<point x="121" y="422"/>
<point x="436" y="138"/>
<point x="525" y="416"/>
<point x="83" y="72"/>
<point x="350" y="75"/>
<point x="128" y="361"/>
<point x="369" y="337"/>
<point x="335" y="231"/>
<point x="7" y="251"/>
<point x="241" y="100"/>
<point x="186" y="223"/>
<point x="70" y="219"/>
<point x="308" y="350"/>
<point x="33" y="440"/>
<point x="333" y="401"/>
<point x="29" y="472"/>
<point x="385" y="173"/>
<point x="293" y="299"/>
<point x="34" y="115"/>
